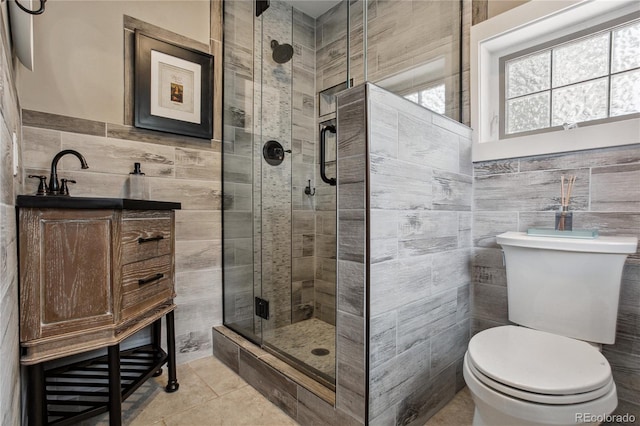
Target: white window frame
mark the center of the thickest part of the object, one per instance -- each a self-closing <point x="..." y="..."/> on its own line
<point x="530" y="24"/>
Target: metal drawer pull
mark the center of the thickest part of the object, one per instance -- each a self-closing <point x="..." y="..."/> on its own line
<point x="156" y="277"/>
<point x="147" y="240"/>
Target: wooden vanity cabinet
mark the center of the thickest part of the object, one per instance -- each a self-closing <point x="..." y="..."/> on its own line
<point x="93" y="271"/>
<point x="89" y="278"/>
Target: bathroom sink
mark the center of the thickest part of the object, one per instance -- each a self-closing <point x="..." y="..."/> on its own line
<point x="67" y="202"/>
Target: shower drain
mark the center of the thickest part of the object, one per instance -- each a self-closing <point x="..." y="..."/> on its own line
<point x="320" y="351"/>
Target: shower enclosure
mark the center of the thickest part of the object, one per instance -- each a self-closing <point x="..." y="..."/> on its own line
<point x="282" y="69"/>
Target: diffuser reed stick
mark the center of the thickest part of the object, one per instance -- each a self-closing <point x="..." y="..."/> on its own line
<point x="565" y="199"/>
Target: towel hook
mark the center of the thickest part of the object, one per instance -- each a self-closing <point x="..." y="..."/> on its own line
<point x="307" y="190"/>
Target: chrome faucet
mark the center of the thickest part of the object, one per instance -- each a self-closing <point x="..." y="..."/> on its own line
<point x="54" y="185"/>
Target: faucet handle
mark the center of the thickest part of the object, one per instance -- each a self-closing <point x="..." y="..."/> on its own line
<point x="64" y="190"/>
<point x="42" y="186"/>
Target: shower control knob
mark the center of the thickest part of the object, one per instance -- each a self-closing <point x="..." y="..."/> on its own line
<point x="273" y="152"/>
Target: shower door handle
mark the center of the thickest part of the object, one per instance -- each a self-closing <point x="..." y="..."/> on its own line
<point x="323" y="141"/>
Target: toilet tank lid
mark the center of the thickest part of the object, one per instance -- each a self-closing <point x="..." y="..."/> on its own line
<point x="601" y="244"/>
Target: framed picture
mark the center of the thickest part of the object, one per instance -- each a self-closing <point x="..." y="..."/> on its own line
<point x="173" y="88"/>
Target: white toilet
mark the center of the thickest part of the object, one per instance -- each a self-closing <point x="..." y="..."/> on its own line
<point x="564" y="293"/>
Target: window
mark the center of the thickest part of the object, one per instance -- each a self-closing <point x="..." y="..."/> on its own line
<point x="432" y="98"/>
<point x="576" y="80"/>
<point x="551" y="76"/>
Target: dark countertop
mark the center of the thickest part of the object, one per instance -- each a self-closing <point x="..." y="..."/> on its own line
<point x="66" y="202"/>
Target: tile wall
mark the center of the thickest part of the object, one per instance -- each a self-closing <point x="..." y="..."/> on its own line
<point x="178" y="168"/>
<point x="404" y="249"/>
<point x="9" y="187"/>
<point x="519" y="193"/>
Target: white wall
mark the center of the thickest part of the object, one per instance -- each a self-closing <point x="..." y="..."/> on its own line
<point x="496" y="7"/>
<point x="78" y="68"/>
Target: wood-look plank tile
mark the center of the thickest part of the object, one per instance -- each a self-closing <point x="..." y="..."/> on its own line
<point x="193" y="194"/>
<point x="198" y="225"/>
<point x="273" y="385"/>
<point x="490" y="302"/>
<point x="421" y="319"/>
<point x="225" y="350"/>
<point x="63" y="123"/>
<point x="399" y="185"/>
<point x="351" y="283"/>
<point x="530" y="191"/>
<point x="116" y="156"/>
<point x="39" y="146"/>
<point x="395" y="283"/>
<point x="451" y="191"/>
<point x="197" y="164"/>
<point x="118" y="131"/>
<point x="620" y="155"/>
<point x="615" y="188"/>
<point x="487" y="225"/>
<point x="198" y="255"/>
<point x="496" y="167"/>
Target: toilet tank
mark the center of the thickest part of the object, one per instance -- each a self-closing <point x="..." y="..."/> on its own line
<point x="565" y="286"/>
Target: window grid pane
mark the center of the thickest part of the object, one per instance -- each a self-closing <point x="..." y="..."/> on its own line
<point x="580" y="102"/>
<point x="528" y="74"/>
<point x="626" y="48"/>
<point x="625" y="93"/>
<point x="528" y="113"/>
<point x="581" y="60"/>
<point x="576" y="95"/>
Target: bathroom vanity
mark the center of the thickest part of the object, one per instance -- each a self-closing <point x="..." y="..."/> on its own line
<point x="93" y="272"/>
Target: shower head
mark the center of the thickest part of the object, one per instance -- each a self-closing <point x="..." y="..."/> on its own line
<point x="282" y="53"/>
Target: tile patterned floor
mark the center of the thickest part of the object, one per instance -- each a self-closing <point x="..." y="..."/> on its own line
<point x="211" y="394"/>
<point x="300" y="338"/>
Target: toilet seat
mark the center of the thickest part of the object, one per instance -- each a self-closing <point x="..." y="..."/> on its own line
<point x="539" y="367"/>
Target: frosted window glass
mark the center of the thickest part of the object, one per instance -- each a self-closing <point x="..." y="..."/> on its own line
<point x="581" y="60"/>
<point x="432" y="98"/>
<point x="412" y="97"/>
<point x="529" y="74"/>
<point x="625" y="93"/>
<point x="580" y="102"/>
<point x="528" y="113"/>
<point x="626" y="48"/>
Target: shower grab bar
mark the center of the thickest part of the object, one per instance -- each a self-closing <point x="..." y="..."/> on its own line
<point x="323" y="141"/>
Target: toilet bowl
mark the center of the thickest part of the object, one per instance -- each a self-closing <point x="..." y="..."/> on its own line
<point x="563" y="294"/>
<point x="520" y="376"/>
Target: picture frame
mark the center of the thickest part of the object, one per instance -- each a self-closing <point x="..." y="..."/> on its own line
<point x="173" y="88"/>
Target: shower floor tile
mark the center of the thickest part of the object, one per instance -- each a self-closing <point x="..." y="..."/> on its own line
<point x="298" y="340"/>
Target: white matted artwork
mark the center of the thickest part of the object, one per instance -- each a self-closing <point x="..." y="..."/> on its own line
<point x="175" y="88"/>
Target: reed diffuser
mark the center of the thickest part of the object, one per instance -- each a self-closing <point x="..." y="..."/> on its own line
<point x="564" y="218"/>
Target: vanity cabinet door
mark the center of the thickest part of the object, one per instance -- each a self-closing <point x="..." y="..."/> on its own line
<point x="69" y="268"/>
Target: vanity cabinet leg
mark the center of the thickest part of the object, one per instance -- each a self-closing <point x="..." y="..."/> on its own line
<point x="173" y="384"/>
<point x="115" y="392"/>
<point x="37" y="396"/>
<point x="156" y="336"/>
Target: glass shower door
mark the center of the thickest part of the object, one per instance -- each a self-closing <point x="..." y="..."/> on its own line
<point x="279" y="221"/>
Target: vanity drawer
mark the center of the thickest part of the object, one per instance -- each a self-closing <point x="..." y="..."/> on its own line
<point x="145" y="238"/>
<point x="146" y="284"/>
